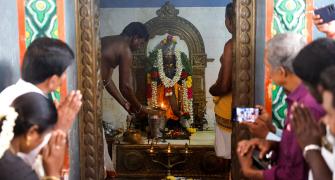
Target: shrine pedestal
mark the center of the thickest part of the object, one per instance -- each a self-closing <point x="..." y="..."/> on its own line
<point x="134" y="161"/>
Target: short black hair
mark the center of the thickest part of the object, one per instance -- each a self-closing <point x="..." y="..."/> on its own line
<point x="313" y="59"/>
<point x="136" y="29"/>
<point x="44" y="58"/>
<point x="327" y="81"/>
<point x="230" y="11"/>
<point x="33" y="109"/>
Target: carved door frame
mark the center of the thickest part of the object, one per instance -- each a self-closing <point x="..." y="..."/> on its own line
<point x="89" y="81"/>
<point x="90" y="84"/>
<point x="244" y="71"/>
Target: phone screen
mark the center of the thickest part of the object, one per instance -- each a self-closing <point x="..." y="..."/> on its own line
<point x="245" y="114"/>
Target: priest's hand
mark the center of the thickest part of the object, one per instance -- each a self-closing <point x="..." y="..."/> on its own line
<point x="305" y="126"/>
<point x="127" y="107"/>
<point x="146" y="110"/>
<point x="53" y="154"/>
<point x="67" y="110"/>
<point x="141" y="112"/>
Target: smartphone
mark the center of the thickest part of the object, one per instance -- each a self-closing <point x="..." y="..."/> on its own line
<point x="262" y="164"/>
<point x="242" y="114"/>
<point x="327" y="13"/>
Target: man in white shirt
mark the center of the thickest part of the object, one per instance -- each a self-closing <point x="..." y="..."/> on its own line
<point x="44" y="68"/>
<point x="8" y="95"/>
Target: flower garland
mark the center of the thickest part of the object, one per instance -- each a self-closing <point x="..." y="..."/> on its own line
<point x="156" y="76"/>
<point x="188" y="99"/>
<point x="186" y="81"/>
<point x="8" y="124"/>
<point x="154" y="102"/>
<point x="167" y="82"/>
<point x="185" y="105"/>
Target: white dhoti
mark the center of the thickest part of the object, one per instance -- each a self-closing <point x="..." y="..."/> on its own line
<point x="222" y="143"/>
<point x="108" y="163"/>
<point x="222" y="139"/>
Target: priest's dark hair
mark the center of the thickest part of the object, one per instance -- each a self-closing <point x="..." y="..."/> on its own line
<point x="136" y="29"/>
<point x="33" y="109"/>
<point x="230" y="11"/>
<point x="44" y="58"/>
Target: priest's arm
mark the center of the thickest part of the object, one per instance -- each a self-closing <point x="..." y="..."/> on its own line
<point x="106" y="73"/>
<point x="223" y="84"/>
<point x="125" y="84"/>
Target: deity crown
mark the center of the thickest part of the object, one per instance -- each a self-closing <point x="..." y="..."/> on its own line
<point x="168" y="45"/>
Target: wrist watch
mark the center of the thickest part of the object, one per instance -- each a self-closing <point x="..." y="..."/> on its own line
<point x="311" y="147"/>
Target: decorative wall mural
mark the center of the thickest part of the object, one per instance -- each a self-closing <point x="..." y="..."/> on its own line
<point x="289" y="15"/>
<point x="41" y="18"/>
<point x="279" y="106"/>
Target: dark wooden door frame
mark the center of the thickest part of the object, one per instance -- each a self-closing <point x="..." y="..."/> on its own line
<point x="89" y="81"/>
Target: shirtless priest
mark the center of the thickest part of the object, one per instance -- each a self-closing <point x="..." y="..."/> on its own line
<point x="117" y="51"/>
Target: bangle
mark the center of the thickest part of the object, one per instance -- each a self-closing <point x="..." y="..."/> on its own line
<point x="310" y="148"/>
<point x="50" y="178"/>
<point x="106" y="82"/>
<point x="139" y="109"/>
<point x="125" y="104"/>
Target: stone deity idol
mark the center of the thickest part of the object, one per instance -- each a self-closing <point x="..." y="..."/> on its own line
<point x="169" y="82"/>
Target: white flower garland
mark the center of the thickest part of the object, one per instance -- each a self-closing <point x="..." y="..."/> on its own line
<point x="190" y="104"/>
<point x="167" y="82"/>
<point x="187" y="103"/>
<point x="154" y="102"/>
<point x="8" y="124"/>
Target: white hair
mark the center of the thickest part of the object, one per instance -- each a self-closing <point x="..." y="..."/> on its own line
<point x="283" y="48"/>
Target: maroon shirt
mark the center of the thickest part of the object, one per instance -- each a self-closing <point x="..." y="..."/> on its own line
<point x="290" y="162"/>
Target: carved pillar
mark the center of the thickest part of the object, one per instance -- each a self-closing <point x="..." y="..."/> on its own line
<point x="89" y="82"/>
<point x="244" y="80"/>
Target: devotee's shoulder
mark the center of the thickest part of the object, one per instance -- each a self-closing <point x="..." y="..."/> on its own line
<point x="12" y="167"/>
<point x="8" y="95"/>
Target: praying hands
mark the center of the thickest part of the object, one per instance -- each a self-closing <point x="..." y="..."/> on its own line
<point x="67" y="110"/>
